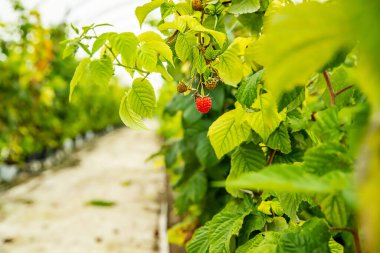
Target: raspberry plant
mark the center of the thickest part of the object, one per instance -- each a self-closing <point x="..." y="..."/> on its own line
<point x="279" y="163"/>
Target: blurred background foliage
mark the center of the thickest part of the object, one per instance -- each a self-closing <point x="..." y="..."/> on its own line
<point x="35" y="115"/>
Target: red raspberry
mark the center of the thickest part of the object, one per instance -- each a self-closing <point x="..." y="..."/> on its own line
<point x="203" y="104"/>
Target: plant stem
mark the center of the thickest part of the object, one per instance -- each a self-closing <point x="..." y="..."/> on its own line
<point x="122" y="65"/>
<point x="329" y="86"/>
<point x="146" y="75"/>
<point x="270" y="160"/>
<point x="354" y="233"/>
<point x="343" y="90"/>
<point x="171" y="38"/>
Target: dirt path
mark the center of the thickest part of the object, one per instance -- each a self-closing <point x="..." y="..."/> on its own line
<point x="52" y="214"/>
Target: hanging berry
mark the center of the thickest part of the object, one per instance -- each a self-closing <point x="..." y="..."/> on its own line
<point x="203" y="104"/>
<point x="197" y="5"/>
<point x="182" y="87"/>
<point x="211" y="84"/>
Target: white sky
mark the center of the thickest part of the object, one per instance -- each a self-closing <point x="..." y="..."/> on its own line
<point x="119" y="13"/>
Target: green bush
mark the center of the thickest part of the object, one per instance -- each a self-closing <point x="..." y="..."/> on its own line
<point x="35" y="114"/>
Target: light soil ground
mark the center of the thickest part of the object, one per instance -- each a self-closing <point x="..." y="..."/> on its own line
<point x="49" y="214"/>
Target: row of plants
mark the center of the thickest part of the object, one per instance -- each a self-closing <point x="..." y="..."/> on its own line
<point x="277" y="148"/>
<point x="35" y="116"/>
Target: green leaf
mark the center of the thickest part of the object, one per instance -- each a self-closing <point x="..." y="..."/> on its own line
<point x="230" y="66"/>
<point x="280" y="140"/>
<point x="313" y="236"/>
<point x="199" y="61"/>
<point x="183" y="21"/>
<point x="290" y="178"/>
<point x="210" y="53"/>
<point x="128" y="116"/>
<point x="225" y="133"/>
<point x="269" y="207"/>
<point x="142" y="98"/>
<point x="326" y="127"/>
<point x="204" y="151"/>
<point x="264" y="207"/>
<point x="266" y="119"/>
<point x="161" y="48"/>
<point x="192" y="191"/>
<point x="252" y="21"/>
<point x="262" y="243"/>
<point x="290" y="203"/>
<point x="369" y="53"/>
<point x="78" y="75"/>
<point x="223" y="226"/>
<point x="99" y="42"/>
<point x="200" y="242"/>
<point x="70" y="50"/>
<point x="101" y="71"/>
<point x="335" y="209"/>
<point x="184" y="8"/>
<point x="150" y="36"/>
<point x="162" y="70"/>
<point x="335" y="247"/>
<point x="124" y="44"/>
<point x="297" y="42"/>
<point x="166" y="9"/>
<point x="184" y="45"/>
<point x="292" y="99"/>
<point x="245" y="158"/>
<point x="244" y="6"/>
<point x="278" y="224"/>
<point x="253" y="222"/>
<point x="76" y="30"/>
<point x="247" y="92"/>
<point x="327" y="157"/>
<point x="142" y="11"/>
<point x="147" y="58"/>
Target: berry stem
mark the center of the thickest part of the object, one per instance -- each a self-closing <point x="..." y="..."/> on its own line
<point x="270" y="160"/>
<point x="355" y="235"/>
<point x="329" y="86"/>
<point x="343" y="90"/>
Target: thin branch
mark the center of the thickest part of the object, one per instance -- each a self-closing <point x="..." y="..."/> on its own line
<point x="343" y="90"/>
<point x="329" y="86"/>
<point x="171" y="38"/>
<point x="122" y="65"/>
<point x="354" y="233"/>
<point x="136" y="69"/>
<point x="270" y="160"/>
<point x="146" y="75"/>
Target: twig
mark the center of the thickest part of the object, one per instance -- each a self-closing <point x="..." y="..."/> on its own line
<point x="343" y="90"/>
<point x="329" y="86"/>
<point x="171" y="38"/>
<point x="122" y="65"/>
<point x="354" y="233"/>
<point x="146" y="75"/>
<point x="270" y="160"/>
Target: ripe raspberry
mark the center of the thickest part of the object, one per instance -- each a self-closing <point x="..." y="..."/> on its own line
<point x="181" y="87"/>
<point x="203" y="104"/>
<point x="211" y="84"/>
<point x="197" y="5"/>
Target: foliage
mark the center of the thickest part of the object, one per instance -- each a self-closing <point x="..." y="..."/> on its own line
<point x="294" y="98"/>
<point x="35" y="117"/>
